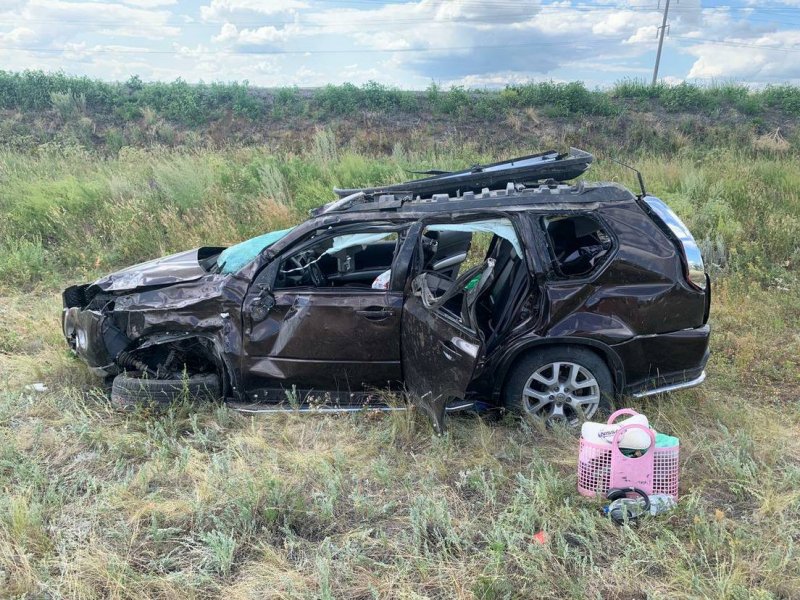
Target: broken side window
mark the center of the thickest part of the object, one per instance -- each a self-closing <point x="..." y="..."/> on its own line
<point x="578" y="243"/>
<point x="351" y="260"/>
<point x="470" y="270"/>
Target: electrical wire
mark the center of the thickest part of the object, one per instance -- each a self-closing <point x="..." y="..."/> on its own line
<point x="258" y="51"/>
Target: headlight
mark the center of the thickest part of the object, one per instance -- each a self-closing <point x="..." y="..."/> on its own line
<point x="80" y="340"/>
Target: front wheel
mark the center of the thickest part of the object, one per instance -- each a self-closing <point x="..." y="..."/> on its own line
<point x="567" y="383"/>
<point x="131" y="389"/>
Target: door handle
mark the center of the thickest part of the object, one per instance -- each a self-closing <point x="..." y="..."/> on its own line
<point x="376" y="313"/>
<point x="450" y="351"/>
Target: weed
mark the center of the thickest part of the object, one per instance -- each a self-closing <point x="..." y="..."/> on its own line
<point x="219" y="550"/>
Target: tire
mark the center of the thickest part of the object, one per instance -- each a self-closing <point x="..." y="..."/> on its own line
<point x="571" y="397"/>
<point x="131" y="389"/>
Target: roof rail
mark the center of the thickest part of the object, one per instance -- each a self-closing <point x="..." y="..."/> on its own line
<point x="523" y="171"/>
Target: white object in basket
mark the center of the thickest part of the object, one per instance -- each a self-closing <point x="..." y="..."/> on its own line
<point x="633" y="438"/>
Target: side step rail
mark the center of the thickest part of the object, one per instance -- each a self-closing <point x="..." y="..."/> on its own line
<point x="267" y="409"/>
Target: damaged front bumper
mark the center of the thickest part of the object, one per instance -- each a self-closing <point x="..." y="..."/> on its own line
<point x="93" y="337"/>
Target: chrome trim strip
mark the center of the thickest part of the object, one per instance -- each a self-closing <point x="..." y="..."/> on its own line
<point x="672" y="387"/>
<point x="254" y="409"/>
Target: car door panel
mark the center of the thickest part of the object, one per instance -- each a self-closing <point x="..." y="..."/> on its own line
<point x="333" y="339"/>
<point x="439" y="357"/>
<point x="440" y="350"/>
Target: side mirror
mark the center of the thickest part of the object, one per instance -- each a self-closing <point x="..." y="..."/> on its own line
<point x="262" y="305"/>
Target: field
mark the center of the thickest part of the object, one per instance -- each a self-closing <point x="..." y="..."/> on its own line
<point x="204" y="502"/>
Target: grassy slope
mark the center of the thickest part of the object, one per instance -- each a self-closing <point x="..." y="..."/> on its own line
<point x="206" y="502"/>
<point x="38" y="108"/>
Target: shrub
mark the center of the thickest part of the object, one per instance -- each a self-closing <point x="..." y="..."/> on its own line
<point x="562" y="99"/>
<point x="683" y="97"/>
<point x="23" y="261"/>
<point x="68" y="105"/>
<point x="783" y="97"/>
<point x="337" y="99"/>
<point x="287" y="102"/>
<point x="637" y="89"/>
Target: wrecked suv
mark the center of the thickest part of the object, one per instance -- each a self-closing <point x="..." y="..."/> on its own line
<point x="500" y="284"/>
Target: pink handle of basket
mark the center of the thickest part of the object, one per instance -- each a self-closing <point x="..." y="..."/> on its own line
<point x="621" y="431"/>
<point x="619" y="413"/>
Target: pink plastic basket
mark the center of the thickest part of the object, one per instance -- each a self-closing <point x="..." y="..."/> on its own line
<point x="603" y="466"/>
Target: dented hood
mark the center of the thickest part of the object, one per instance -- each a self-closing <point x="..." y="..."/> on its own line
<point x="176" y="268"/>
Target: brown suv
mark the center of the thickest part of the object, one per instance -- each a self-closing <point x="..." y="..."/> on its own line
<point x="500" y="284"/>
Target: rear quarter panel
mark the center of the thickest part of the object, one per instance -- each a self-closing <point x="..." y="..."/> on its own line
<point x="641" y="290"/>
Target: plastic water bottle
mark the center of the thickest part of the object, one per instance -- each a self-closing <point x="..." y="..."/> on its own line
<point x="661" y="503"/>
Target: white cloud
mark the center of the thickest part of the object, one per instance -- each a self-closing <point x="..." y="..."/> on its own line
<point x="769" y="56"/>
<point x="257" y="37"/>
<point x="150" y="3"/>
<point x="19" y="36"/>
<point x="57" y="20"/>
<point x="491" y="80"/>
<point x="616" y="24"/>
<point x="643" y="35"/>
<point x="226" y="9"/>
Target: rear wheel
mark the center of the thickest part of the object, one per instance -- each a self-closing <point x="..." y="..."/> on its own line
<point x="566" y="383"/>
<point x="132" y="389"/>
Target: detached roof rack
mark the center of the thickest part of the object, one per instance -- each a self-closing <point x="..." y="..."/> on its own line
<point x="524" y="171"/>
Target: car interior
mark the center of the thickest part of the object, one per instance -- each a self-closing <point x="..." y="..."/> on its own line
<point x="358" y="260"/>
<point x="579" y="243"/>
<point x="351" y="260"/>
<point x="469" y="292"/>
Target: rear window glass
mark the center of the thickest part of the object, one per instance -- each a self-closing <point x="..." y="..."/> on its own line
<point x="578" y="244"/>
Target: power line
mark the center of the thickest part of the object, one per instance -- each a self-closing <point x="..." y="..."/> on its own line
<point x="379" y="23"/>
<point x="256" y="51"/>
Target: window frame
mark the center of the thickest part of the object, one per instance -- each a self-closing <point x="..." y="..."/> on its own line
<point x="552" y="272"/>
<point x="416" y="264"/>
<point x="311" y="238"/>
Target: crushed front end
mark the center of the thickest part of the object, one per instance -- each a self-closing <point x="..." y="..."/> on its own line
<point x="89" y="327"/>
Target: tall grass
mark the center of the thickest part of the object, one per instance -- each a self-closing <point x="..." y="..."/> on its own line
<point x="68" y="211"/>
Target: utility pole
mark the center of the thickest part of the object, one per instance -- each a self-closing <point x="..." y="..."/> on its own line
<point x="663" y="29"/>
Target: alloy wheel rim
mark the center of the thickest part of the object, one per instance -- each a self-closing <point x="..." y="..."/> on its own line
<point x="561" y="391"/>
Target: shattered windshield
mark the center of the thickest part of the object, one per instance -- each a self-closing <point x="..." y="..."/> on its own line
<point x="234" y="258"/>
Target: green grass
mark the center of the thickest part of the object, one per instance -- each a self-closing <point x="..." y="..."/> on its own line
<point x="204" y="502"/>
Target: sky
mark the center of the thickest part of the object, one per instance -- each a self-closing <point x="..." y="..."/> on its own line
<point x="406" y="43"/>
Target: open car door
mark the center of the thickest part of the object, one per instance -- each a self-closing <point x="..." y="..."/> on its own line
<point x="440" y="344"/>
